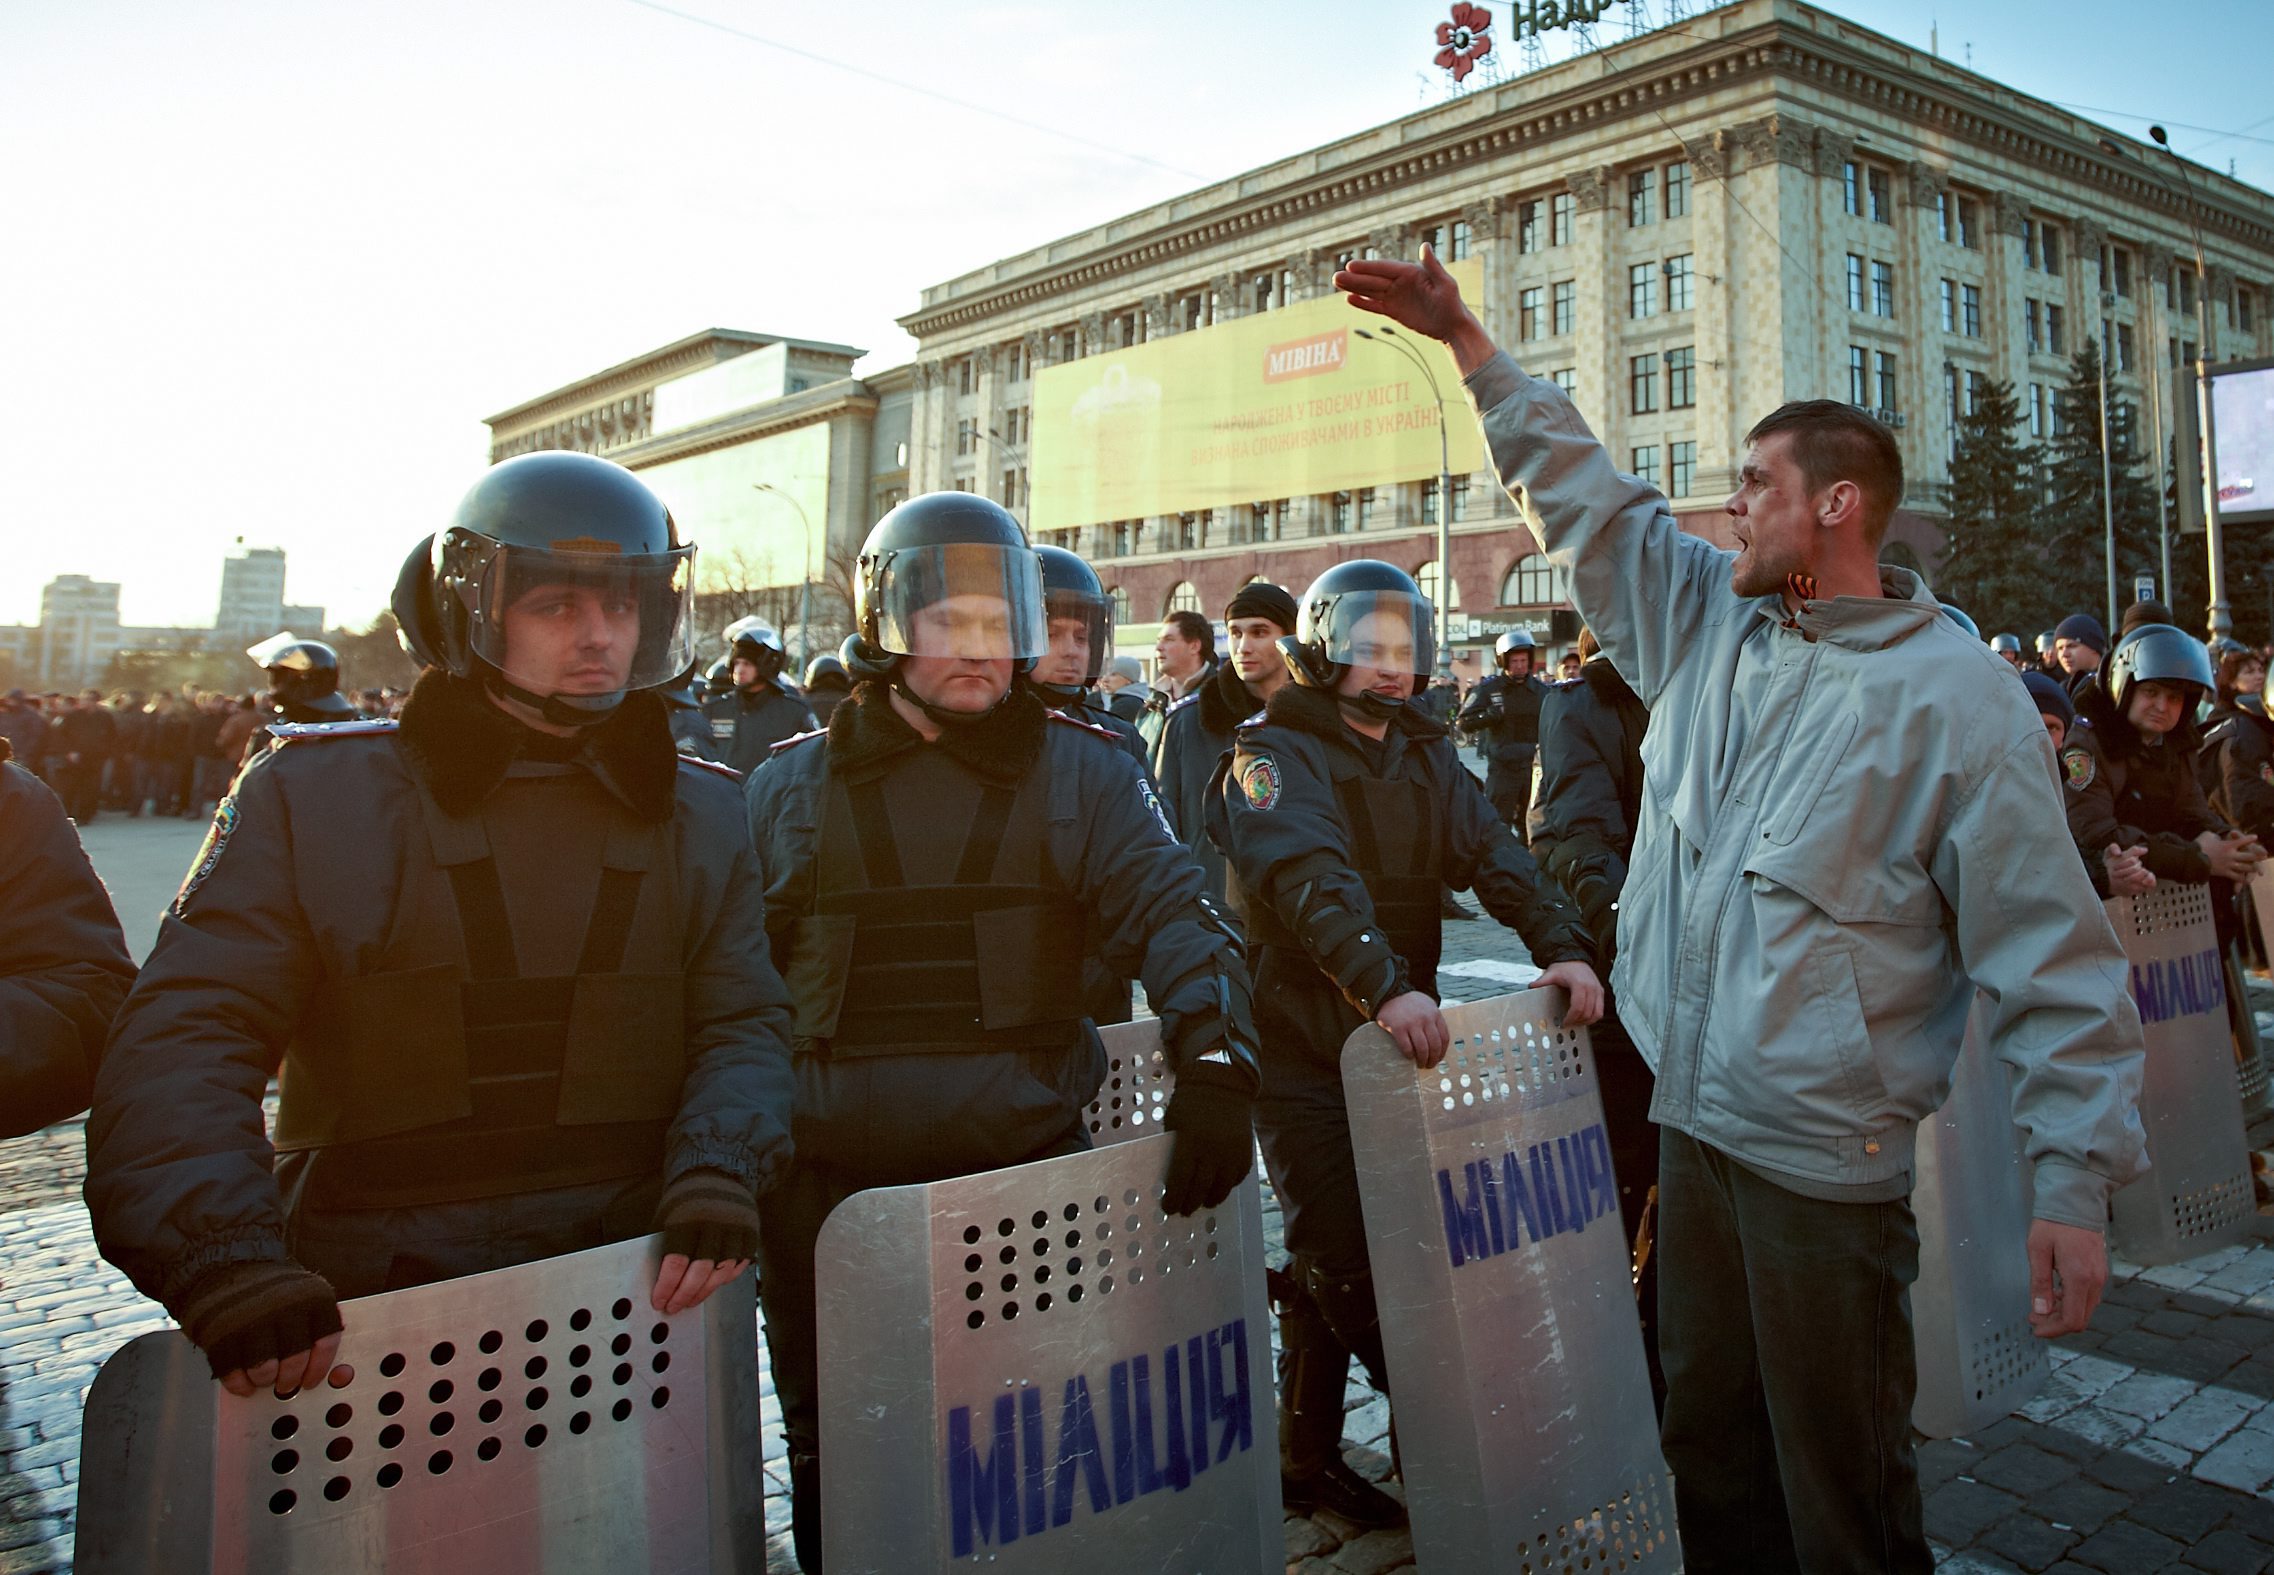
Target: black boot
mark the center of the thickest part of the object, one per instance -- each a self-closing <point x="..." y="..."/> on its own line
<point x="1313" y="1367"/>
<point x="805" y="1511"/>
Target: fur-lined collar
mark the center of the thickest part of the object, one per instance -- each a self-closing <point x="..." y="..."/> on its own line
<point x="1317" y="711"/>
<point x="461" y="744"/>
<point x="1225" y="702"/>
<point x="1001" y="746"/>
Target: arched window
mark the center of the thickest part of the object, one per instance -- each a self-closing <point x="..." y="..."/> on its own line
<point x="1426" y="577"/>
<point x="1534" y="582"/>
<point x="1120" y="596"/>
<point x="1185" y="598"/>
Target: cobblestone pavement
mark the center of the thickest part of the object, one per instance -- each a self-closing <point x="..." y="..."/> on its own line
<point x="2150" y="1448"/>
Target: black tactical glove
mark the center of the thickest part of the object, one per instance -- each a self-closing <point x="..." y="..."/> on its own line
<point x="243" y="1314"/>
<point x="709" y="1216"/>
<point x="1215" y="1142"/>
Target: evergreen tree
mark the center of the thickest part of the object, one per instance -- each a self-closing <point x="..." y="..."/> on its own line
<point x="1993" y="563"/>
<point x="2070" y="521"/>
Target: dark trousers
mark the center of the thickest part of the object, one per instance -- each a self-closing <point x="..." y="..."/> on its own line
<point x="80" y="786"/>
<point x="1509" y="785"/>
<point x="1624" y="1080"/>
<point x="1785" y="1326"/>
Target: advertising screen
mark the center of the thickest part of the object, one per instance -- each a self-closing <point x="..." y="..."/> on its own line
<point x="2242" y="413"/>
<point x="1275" y="405"/>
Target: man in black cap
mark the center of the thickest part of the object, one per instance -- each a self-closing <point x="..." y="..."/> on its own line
<point x="1199" y="727"/>
<point x="2079" y="642"/>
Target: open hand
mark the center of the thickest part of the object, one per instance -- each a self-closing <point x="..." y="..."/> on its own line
<point x="1578" y="981"/>
<point x="1421" y="296"/>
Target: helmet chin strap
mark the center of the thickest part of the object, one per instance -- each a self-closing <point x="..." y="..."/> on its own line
<point x="1370" y="705"/>
<point x="1064" y="694"/>
<point x="945" y="718"/>
<point x="561" y="710"/>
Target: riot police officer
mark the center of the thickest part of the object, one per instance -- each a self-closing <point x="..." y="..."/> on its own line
<point x="1503" y="713"/>
<point x="1200" y="726"/>
<point x="1343" y="810"/>
<point x="949" y="815"/>
<point x="1081" y="637"/>
<point x="755" y="712"/>
<point x="826" y="684"/>
<point x="303" y="680"/>
<point x="509" y="953"/>
<point x="690" y="729"/>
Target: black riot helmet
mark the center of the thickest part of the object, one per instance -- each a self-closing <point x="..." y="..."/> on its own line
<point x="303" y="675"/>
<point x="1362" y="613"/>
<point x="557" y="535"/>
<point x="1514" y="640"/>
<point x="757" y="642"/>
<point x="1071" y="589"/>
<point x="2159" y="653"/>
<point x="826" y="672"/>
<point x="947" y="574"/>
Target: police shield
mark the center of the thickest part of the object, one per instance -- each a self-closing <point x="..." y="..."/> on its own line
<point x="532" y="1421"/>
<point x="1135" y="1093"/>
<point x="2197" y="1194"/>
<point x="1977" y="1358"/>
<point x="1037" y="1369"/>
<point x="1507" y="1297"/>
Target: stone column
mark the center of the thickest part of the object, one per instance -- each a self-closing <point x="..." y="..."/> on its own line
<point x="1601" y="304"/>
<point x="2006" y="289"/>
<point x="1712" y="216"/>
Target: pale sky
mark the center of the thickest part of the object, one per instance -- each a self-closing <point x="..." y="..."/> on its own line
<point x="268" y="264"/>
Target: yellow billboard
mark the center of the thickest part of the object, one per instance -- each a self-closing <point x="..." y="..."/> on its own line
<point x="1276" y="405"/>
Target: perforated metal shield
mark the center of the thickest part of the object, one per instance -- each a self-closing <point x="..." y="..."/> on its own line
<point x="537" y="1419"/>
<point x="1037" y="1369"/>
<point x="1977" y="1358"/>
<point x="2250" y="1053"/>
<point x="1135" y="1094"/>
<point x="1507" y="1298"/>
<point x="2197" y="1194"/>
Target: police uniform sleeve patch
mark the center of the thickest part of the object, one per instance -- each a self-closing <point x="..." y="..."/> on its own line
<point x="1259" y="780"/>
<point x="1153" y="803"/>
<point x="2077" y="768"/>
<point x="209" y="852"/>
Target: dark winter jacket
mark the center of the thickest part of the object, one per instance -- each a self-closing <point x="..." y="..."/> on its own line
<point x="64" y="968"/>
<point x="745" y="723"/>
<point x="2125" y="790"/>
<point x="2240" y="753"/>
<point x="920" y="1110"/>
<point x="320" y="913"/>
<point x="1193" y="741"/>
<point x="1589" y="796"/>
<point x="1504" y="714"/>
<point x="1276" y="813"/>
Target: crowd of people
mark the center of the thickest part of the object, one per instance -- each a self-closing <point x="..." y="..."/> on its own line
<point x="566" y="947"/>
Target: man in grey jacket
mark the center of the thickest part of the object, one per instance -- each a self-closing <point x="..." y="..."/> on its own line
<point x="1845" y="835"/>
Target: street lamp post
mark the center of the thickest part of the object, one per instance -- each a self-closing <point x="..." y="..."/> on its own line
<point x="1391" y="337"/>
<point x="2107" y="479"/>
<point x="805" y="583"/>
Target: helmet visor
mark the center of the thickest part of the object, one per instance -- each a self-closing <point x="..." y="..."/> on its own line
<point x="1081" y="629"/>
<point x="582" y="623"/>
<point x="973" y="601"/>
<point x="1384" y="631"/>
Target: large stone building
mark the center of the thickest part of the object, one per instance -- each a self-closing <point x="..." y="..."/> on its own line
<point x="252" y="605"/>
<point x="1686" y="229"/>
<point x="772" y="456"/>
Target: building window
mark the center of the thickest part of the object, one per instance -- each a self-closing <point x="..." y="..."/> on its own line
<point x="1883" y="289"/>
<point x="1943" y="215"/>
<point x="1678" y="277"/>
<point x="1970" y="316"/>
<point x="1119" y="596"/>
<point x="1642" y="383"/>
<point x="2243" y="313"/>
<point x="1881" y="192"/>
<point x="1887" y="380"/>
<point x="1969" y="224"/>
<point x="966" y="434"/>
<point x="2124" y="347"/>
<point x="2055" y="339"/>
<point x="1185" y="598"/>
<point x="2029" y="243"/>
<point x="1976" y="386"/>
<point x="964" y="375"/>
<point x="1642" y="289"/>
<point x="1459" y="241"/>
<point x="1564" y="301"/>
<point x="2049" y="245"/>
<point x="1528" y="312"/>
<point x="1681" y="469"/>
<point x="2037" y="410"/>
<point x="1677" y="188"/>
<point x="1534" y="582"/>
<point x="1642" y="198"/>
<point x="1559" y="219"/>
<point x="1645" y="466"/>
<point x="1682" y="378"/>
<point x="1567" y="379"/>
<point x="1949" y="306"/>
<point x="1366" y="500"/>
<point x="1851" y="187"/>
<point x="1014" y="361"/>
<point x="1855" y="283"/>
<point x="1014" y="484"/>
<point x="1528" y="225"/>
<point x="2123" y="266"/>
<point x="1429" y="499"/>
<point x="1338" y="515"/>
<point x="2032" y="327"/>
<point x="1859" y="375"/>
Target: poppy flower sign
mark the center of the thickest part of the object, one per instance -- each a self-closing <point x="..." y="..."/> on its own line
<point x="1464" y="40"/>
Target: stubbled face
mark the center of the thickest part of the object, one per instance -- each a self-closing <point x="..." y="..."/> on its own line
<point x="1068" y="661"/>
<point x="2154" y="708"/>
<point x="1381" y="656"/>
<point x="961" y="669"/>
<point x="1773" y="517"/>
<point x="2075" y="656"/>
<point x="1179" y="657"/>
<point x="567" y="639"/>
<point x="1255" y="651"/>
